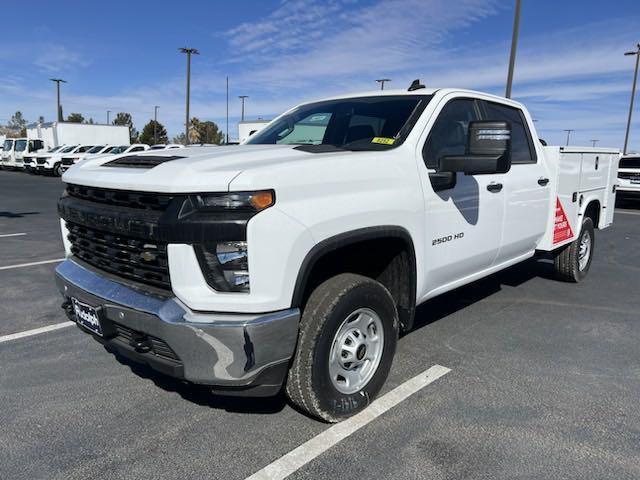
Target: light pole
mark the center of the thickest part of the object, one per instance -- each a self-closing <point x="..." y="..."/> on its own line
<point x="514" y="47"/>
<point x="382" y="81"/>
<point x="242" y="98"/>
<point x="58" y="81"/>
<point x="568" y="135"/>
<point x="108" y="112"/>
<point x="593" y="142"/>
<point x="155" y="124"/>
<point x="189" y="52"/>
<point x="633" y="96"/>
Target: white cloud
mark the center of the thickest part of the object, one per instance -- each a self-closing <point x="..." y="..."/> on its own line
<point x="58" y="58"/>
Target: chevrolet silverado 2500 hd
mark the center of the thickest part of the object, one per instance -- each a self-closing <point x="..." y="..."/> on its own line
<point x="297" y="258"/>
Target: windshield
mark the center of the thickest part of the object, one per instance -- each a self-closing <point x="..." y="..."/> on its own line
<point x="158" y="147"/>
<point x="68" y="149"/>
<point x="54" y="149"/>
<point x="96" y="149"/>
<point x="630" y="162"/>
<point x="21" y="145"/>
<point x="7" y="145"/>
<point x="119" y="149"/>
<point x="366" y="123"/>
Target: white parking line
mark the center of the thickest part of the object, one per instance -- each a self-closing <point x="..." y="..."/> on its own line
<point x="12" y="235"/>
<point x="35" y="331"/>
<point x="31" y="264"/>
<point x="300" y="456"/>
<point x="627" y="212"/>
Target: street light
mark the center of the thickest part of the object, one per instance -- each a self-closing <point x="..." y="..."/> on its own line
<point x="633" y="95"/>
<point x="593" y="142"/>
<point x="108" y="112"/>
<point x="242" y="97"/>
<point x="155" y="124"/>
<point x="514" y="48"/>
<point x="568" y="135"/>
<point x="58" y="81"/>
<point x="189" y="52"/>
<point x="382" y="81"/>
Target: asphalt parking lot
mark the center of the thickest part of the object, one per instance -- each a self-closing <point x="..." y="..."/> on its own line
<point x="544" y="380"/>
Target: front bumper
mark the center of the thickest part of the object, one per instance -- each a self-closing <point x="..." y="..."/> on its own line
<point x="240" y="354"/>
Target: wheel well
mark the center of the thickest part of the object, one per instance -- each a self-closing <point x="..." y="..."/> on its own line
<point x="387" y="258"/>
<point x="593" y="212"/>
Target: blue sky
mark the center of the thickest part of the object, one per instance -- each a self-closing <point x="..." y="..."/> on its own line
<point x="122" y="56"/>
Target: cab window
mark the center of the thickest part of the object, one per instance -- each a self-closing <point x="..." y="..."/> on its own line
<point x="522" y="150"/>
<point x="449" y="133"/>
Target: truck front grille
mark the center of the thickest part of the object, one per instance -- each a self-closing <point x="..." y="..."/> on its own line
<point x="628" y="175"/>
<point x="141" y="200"/>
<point x="41" y="160"/>
<point x="132" y="258"/>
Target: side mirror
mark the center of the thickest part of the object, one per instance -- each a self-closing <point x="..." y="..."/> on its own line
<point x="488" y="150"/>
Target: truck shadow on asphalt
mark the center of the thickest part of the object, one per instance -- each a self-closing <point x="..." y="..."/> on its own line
<point x="429" y="312"/>
<point x="451" y="302"/>
<point x="17" y="215"/>
<point x="201" y="395"/>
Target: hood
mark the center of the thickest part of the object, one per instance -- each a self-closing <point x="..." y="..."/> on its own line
<point x="192" y="169"/>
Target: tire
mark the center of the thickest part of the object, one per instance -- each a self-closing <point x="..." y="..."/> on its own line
<point x="569" y="265"/>
<point x="328" y="326"/>
<point x="57" y="170"/>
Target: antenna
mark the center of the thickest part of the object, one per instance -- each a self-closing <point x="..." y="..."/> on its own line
<point x="416" y="85"/>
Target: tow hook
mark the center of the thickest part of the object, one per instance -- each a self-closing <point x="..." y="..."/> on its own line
<point x="140" y="342"/>
<point x="68" y="310"/>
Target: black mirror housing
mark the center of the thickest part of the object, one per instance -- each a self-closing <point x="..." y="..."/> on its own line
<point x="488" y="150"/>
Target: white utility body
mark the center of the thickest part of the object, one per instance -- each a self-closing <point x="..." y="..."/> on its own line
<point x="15" y="149"/>
<point x="296" y="258"/>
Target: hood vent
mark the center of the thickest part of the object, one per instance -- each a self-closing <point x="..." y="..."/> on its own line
<point x="140" y="161"/>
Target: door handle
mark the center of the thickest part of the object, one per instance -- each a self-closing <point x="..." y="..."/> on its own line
<point x="494" y="187"/>
<point x="543" y="182"/>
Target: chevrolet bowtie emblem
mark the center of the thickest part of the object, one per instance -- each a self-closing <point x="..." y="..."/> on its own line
<point x="148" y="256"/>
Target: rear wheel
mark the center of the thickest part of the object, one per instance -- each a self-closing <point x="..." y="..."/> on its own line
<point x="348" y="336"/>
<point x="573" y="262"/>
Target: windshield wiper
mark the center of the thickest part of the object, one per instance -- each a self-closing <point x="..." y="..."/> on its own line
<point x="320" y="148"/>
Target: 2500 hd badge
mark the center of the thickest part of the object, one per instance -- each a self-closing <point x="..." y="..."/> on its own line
<point x="448" y="238"/>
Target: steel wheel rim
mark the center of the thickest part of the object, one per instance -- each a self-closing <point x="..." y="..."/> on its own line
<point x="356" y="351"/>
<point x="584" y="251"/>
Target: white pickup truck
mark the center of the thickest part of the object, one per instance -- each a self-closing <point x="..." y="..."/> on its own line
<point x="297" y="258"/>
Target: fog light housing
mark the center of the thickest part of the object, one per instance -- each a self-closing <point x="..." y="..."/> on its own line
<point x="225" y="265"/>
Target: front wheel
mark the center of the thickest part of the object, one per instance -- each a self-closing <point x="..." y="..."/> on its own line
<point x="348" y="336"/>
<point x="573" y="262"/>
<point x="57" y="170"/>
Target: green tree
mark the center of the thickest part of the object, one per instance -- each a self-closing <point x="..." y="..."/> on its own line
<point x="18" y="123"/>
<point x="209" y="132"/>
<point x="75" y="118"/>
<point x="147" y="135"/>
<point x="124" y="118"/>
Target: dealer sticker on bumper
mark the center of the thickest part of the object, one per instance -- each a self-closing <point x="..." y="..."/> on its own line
<point x="87" y="316"/>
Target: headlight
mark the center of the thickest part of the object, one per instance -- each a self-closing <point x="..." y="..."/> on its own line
<point x="225" y="265"/>
<point x="253" y="201"/>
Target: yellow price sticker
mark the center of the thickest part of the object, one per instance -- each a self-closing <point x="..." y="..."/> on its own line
<point x="383" y="140"/>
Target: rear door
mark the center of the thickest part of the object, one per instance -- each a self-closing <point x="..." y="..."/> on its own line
<point x="463" y="219"/>
<point x="526" y="186"/>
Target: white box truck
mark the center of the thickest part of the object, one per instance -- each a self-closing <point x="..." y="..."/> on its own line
<point x="295" y="260"/>
<point x="54" y="134"/>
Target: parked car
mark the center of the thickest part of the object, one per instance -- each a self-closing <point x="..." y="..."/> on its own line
<point x="71" y="159"/>
<point x="29" y="161"/>
<point x="136" y="147"/>
<point x="629" y="175"/>
<point x="52" y="163"/>
<point x="168" y="146"/>
<point x="296" y="259"/>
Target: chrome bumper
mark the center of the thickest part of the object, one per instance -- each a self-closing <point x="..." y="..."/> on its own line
<point x="238" y="353"/>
